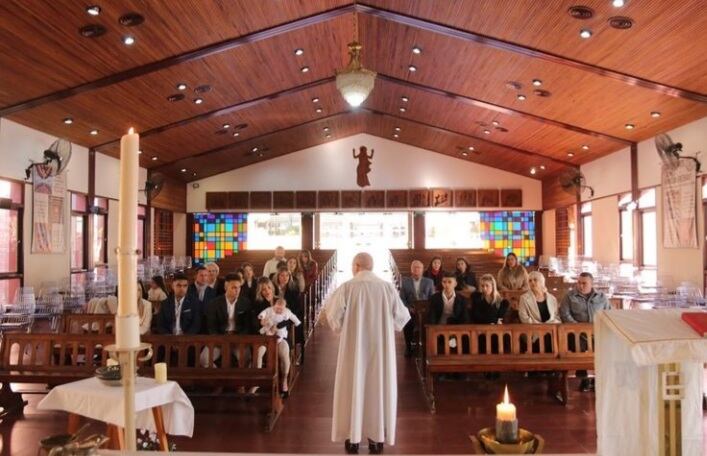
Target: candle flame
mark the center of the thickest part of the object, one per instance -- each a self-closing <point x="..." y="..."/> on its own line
<point x="131" y="131"/>
<point x="505" y="396"/>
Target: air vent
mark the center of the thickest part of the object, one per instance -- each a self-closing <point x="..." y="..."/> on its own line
<point x="502" y="129"/>
<point x="92" y="31"/>
<point x="131" y="19"/>
<point x="542" y="93"/>
<point x="176" y="97"/>
<point x="241" y="126"/>
<point x="621" y="22"/>
<point x="581" y="12"/>
<point x="203" y="88"/>
<point x="514" y="85"/>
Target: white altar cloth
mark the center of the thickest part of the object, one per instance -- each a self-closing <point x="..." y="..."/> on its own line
<point x="629" y="345"/>
<point x="93" y="399"/>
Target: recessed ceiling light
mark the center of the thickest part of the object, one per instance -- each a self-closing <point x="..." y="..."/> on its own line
<point x="405" y="99"/>
<point x="318" y="110"/>
<point x="194" y="174"/>
<point x="93" y="132"/>
<point x="537" y="82"/>
<point x="181" y="86"/>
<point x="533" y="171"/>
<point x="139" y="152"/>
<point x="198" y="100"/>
<point x="260" y="154"/>
<point x="328" y="136"/>
<point x="465" y="154"/>
<point x="226" y="126"/>
<point x="397" y="128"/>
<point x="585" y="147"/>
<point x="570" y="154"/>
<point x="402" y="109"/>
<point x="470" y="147"/>
<point x="629" y="126"/>
<point x="304" y="69"/>
<point x="655" y="114"/>
<point x="416" y="50"/>
<point x="184" y="170"/>
<point x="315" y="100"/>
<point x="154" y="159"/>
<point x="93" y="10"/>
<point x="68" y="121"/>
<point x="254" y="149"/>
<point x="235" y="133"/>
<point x="585" y="33"/>
<point x="487" y="132"/>
<point x="521" y="97"/>
<point x="326" y="128"/>
<point x="128" y="40"/>
<point x="299" y="51"/>
<point x="617" y="3"/>
<point x="542" y="167"/>
<point x="496" y="123"/>
<point x="412" y="68"/>
<point x="396" y="135"/>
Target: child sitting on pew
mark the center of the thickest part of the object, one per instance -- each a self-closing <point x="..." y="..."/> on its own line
<point x="274" y="321"/>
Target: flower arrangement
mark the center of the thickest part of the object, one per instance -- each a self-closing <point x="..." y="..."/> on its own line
<point x="147" y="441"/>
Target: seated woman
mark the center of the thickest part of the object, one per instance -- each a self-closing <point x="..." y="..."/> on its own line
<point x="447" y="307"/>
<point x="487" y="308"/>
<point x="435" y="272"/>
<point x="537" y="305"/>
<point x="157" y="292"/>
<point x="308" y="266"/>
<point x="295" y="273"/>
<point x="466" y="280"/>
<point x="512" y="275"/>
<point x="274" y="321"/>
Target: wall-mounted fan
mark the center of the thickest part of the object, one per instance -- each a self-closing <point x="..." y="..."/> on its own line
<point x="669" y="152"/>
<point x="153" y="185"/>
<point x="57" y="157"/>
<point x="574" y="182"/>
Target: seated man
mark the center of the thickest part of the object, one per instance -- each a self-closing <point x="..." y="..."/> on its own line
<point x="579" y="306"/>
<point x="215" y="282"/>
<point x="229" y="313"/>
<point x="447" y="307"/>
<point x="201" y="292"/>
<point x="272" y="264"/>
<point x="414" y="288"/>
<point x="180" y="312"/>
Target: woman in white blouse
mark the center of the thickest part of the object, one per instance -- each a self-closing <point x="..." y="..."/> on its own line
<point x="537" y="305"/>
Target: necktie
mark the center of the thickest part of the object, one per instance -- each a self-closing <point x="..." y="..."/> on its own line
<point x="177" y="315"/>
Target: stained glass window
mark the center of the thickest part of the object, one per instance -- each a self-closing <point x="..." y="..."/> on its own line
<point x="509" y="231"/>
<point x="218" y="235"/>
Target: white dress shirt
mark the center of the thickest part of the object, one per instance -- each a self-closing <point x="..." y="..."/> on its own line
<point x="416" y="284"/>
<point x="448" y="308"/>
<point x="177" y="314"/>
<point x="231" y="310"/>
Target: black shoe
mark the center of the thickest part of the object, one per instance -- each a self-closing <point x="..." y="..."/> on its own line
<point x="408" y="352"/>
<point x="285" y="394"/>
<point x="375" y="447"/>
<point x="586" y="385"/>
<point x="351" y="448"/>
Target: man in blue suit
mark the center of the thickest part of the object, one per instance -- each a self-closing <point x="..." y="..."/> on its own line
<point x="201" y="293"/>
<point x="180" y="313"/>
<point x="414" y="288"/>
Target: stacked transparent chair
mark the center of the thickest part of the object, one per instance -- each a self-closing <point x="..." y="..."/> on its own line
<point x="19" y="315"/>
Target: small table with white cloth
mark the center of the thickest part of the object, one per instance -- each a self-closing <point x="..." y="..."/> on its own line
<point x="649" y="382"/>
<point x="163" y="408"/>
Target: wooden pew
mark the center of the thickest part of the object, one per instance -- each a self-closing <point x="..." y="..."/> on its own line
<point x="80" y="323"/>
<point x="54" y="359"/>
<point x="506" y="348"/>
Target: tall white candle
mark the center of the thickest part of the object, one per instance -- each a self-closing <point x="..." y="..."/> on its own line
<point x="127" y="219"/>
<point x="505" y="411"/>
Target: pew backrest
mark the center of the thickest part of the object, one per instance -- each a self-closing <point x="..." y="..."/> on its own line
<point x="87" y="323"/>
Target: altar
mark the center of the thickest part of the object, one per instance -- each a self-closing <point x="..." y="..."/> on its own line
<point x="649" y="377"/>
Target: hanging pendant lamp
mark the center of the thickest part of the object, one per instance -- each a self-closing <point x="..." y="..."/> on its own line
<point x="355" y="82"/>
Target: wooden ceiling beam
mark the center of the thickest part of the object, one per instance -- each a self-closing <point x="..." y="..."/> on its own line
<point x="189" y="56"/>
<point x="471" y="137"/>
<point x="496" y="43"/>
<point x="501" y="109"/>
<point x="229" y="109"/>
<point x="254" y="139"/>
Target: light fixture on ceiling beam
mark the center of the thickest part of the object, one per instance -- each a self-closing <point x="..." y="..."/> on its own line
<point x="521" y="97"/>
<point x="93" y="132"/>
<point x="355" y="82"/>
<point x="585" y="33"/>
<point x="533" y="170"/>
<point x="68" y="120"/>
<point x="416" y="50"/>
<point x="537" y="82"/>
<point x="655" y="114"/>
<point x="299" y="51"/>
<point x="181" y="86"/>
<point x="618" y="3"/>
<point x="542" y="167"/>
<point x="93" y="10"/>
<point x="629" y="126"/>
<point x="128" y="40"/>
<point x="585" y="147"/>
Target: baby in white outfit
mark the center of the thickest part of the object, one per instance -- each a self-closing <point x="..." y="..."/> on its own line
<point x="274" y="322"/>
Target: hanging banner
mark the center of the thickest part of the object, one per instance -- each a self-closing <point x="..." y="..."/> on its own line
<point x="48" y="200"/>
<point x="679" y="205"/>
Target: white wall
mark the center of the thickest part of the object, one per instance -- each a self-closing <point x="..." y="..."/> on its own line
<point x="612" y="174"/>
<point x="19" y="144"/>
<point x="395" y="166"/>
<point x="179" y="221"/>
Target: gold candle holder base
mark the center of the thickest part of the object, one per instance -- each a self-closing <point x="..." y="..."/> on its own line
<point x="485" y="442"/>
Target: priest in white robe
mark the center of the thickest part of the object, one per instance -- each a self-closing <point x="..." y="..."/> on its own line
<point x="367" y="311"/>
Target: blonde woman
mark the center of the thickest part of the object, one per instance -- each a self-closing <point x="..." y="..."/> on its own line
<point x="512" y="275"/>
<point x="487" y="304"/>
<point x="537" y="305"/>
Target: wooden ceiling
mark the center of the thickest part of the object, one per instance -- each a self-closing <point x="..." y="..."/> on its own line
<point x="245" y="52"/>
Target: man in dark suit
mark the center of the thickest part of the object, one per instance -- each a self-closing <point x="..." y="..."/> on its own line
<point x="447" y="307"/>
<point x="215" y="282"/>
<point x="180" y="313"/>
<point x="414" y="288"/>
<point x="229" y="313"/>
<point x="201" y="292"/>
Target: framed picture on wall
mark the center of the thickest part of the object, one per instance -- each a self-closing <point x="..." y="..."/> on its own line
<point x="465" y="198"/>
<point x="488" y="198"/>
<point x="261" y="200"/>
<point x="374" y="199"/>
<point x="238" y="200"/>
<point x="283" y="200"/>
<point x="350" y="199"/>
<point x="441" y="197"/>
<point x="419" y="198"/>
<point x="216" y="201"/>
<point x="396" y="199"/>
<point x="328" y="199"/>
<point x="512" y="198"/>
<point x="306" y="200"/>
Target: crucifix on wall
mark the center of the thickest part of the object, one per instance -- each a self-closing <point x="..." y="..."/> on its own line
<point x="364" y="166"/>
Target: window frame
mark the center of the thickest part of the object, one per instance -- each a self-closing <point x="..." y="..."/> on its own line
<point x="98" y="208"/>
<point x="624" y="204"/>
<point x="9" y="204"/>
<point x="84" y="214"/>
<point x="585" y="211"/>
<point x="640" y="211"/>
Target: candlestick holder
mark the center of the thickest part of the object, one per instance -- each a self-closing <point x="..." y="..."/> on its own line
<point x="507" y="431"/>
<point x="485" y="442"/>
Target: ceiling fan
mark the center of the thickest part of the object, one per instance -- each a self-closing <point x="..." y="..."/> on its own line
<point x="57" y="157"/>
<point x="574" y="182"/>
<point x="669" y="152"/>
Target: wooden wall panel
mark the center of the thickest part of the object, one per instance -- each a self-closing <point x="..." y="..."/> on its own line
<point x="442" y="197"/>
<point x="374" y="199"/>
<point x="328" y="199"/>
<point x="283" y="200"/>
<point x="238" y="200"/>
<point x="351" y="199"/>
<point x="217" y="201"/>
<point x="512" y="198"/>
<point x="306" y="200"/>
<point x="488" y="198"/>
<point x="465" y="198"/>
<point x="261" y="200"/>
<point x="396" y="199"/>
<point x="164" y="233"/>
<point x="419" y="198"/>
<point x="173" y="196"/>
<point x="562" y="232"/>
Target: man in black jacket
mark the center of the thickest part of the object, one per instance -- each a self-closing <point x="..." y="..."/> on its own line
<point x="180" y="313"/>
<point x="447" y="307"/>
<point x="201" y="292"/>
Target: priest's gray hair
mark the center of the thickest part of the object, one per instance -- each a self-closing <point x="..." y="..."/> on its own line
<point x="364" y="261"/>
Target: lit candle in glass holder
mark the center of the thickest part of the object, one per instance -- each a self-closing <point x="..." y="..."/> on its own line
<point x="506" y="422"/>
